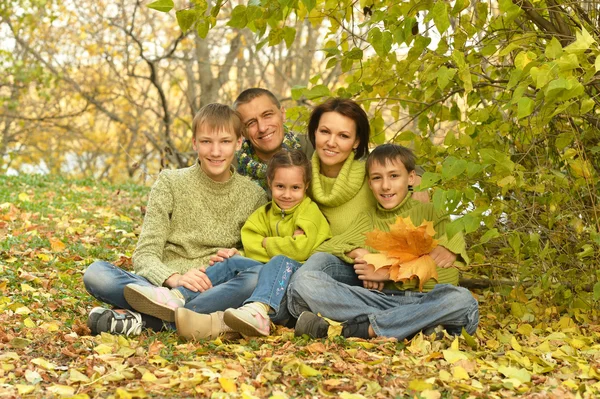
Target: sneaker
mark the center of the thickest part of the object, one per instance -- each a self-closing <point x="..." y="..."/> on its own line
<point x="194" y="326"/>
<point x="159" y="302"/>
<point x="312" y="325"/>
<point x="121" y="321"/>
<point x="251" y="319"/>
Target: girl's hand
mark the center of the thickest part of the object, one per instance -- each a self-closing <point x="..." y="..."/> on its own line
<point x="442" y="257"/>
<point x="195" y="280"/>
<point x="264" y="242"/>
<point x="298" y="232"/>
<point x="223" y="254"/>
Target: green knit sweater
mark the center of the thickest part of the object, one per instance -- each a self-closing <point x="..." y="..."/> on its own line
<point x="342" y="198"/>
<point x="380" y="218"/>
<point x="278" y="226"/>
<point x="189" y="217"/>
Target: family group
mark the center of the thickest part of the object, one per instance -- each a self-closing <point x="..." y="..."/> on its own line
<point x="268" y="226"/>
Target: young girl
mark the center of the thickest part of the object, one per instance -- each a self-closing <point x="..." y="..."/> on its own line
<point x="281" y="234"/>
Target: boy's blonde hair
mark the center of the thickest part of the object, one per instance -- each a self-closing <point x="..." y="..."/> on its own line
<point x="218" y="117"/>
<point x="389" y="153"/>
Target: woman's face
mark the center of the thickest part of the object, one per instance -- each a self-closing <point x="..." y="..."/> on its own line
<point x="335" y="139"/>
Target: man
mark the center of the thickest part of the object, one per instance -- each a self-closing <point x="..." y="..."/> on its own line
<point x="263" y="117"/>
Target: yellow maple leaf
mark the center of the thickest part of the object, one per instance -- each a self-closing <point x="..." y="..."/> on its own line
<point x="422" y="268"/>
<point x="404" y="250"/>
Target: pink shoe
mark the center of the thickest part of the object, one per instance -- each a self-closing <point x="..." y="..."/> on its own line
<point x="250" y="319"/>
<point x="159" y="302"/>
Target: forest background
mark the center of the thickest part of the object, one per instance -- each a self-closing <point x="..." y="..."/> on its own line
<point x="499" y="99"/>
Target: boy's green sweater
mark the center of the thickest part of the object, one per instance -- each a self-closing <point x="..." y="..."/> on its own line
<point x="189" y="217"/>
<point x="279" y="226"/>
<point x="382" y="219"/>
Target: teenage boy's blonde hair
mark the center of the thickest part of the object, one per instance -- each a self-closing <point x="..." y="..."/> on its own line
<point x="218" y="117"/>
<point x="387" y="153"/>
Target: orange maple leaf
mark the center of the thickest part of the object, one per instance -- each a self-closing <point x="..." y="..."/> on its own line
<point x="404" y="249"/>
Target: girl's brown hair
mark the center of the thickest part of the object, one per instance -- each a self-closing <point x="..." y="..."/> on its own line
<point x="287" y="159"/>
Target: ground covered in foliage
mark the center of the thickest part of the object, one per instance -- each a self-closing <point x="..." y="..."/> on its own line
<point x="51" y="229"/>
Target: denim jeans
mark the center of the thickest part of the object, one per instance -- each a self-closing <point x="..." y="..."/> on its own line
<point x="321" y="262"/>
<point x="233" y="282"/>
<point x="273" y="281"/>
<point x="391" y="313"/>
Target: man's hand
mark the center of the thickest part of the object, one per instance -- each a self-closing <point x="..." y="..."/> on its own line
<point x="368" y="272"/>
<point x="442" y="257"/>
<point x="195" y="280"/>
<point x="223" y="254"/>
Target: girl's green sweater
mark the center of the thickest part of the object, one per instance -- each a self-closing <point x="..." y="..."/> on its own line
<point x="189" y="217"/>
<point x="381" y="219"/>
<point x="278" y="226"/>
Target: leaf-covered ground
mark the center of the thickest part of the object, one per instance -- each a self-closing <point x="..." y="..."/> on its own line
<point x="51" y="229"/>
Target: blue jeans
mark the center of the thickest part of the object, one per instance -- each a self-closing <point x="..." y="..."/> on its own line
<point x="233" y="282"/>
<point x="273" y="281"/>
<point x="391" y="313"/>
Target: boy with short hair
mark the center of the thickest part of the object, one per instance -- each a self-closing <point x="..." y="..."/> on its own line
<point x="192" y="212"/>
<point x="399" y="310"/>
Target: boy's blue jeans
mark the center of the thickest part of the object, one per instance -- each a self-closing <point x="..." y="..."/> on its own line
<point x="232" y="285"/>
<point x="391" y="313"/>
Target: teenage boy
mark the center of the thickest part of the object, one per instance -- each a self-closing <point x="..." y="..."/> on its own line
<point x="191" y="213"/>
<point x="383" y="307"/>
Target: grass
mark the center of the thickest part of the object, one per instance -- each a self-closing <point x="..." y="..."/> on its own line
<point x="51" y="228"/>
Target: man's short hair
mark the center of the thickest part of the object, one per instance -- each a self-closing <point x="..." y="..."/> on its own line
<point x="250" y="94"/>
<point x="388" y="153"/>
<point x="218" y="117"/>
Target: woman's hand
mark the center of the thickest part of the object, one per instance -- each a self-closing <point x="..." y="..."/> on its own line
<point x="195" y="280"/>
<point x="442" y="257"/>
<point x="223" y="254"/>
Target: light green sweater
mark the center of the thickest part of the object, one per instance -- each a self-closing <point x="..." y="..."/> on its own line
<point x="189" y="217"/>
<point x="279" y="226"/>
<point x="343" y="198"/>
<point x="380" y="218"/>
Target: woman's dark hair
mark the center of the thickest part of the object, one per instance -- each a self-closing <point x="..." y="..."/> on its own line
<point x="388" y="153"/>
<point x="349" y="109"/>
<point x="287" y="159"/>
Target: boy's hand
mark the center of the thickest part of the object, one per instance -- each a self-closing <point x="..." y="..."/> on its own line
<point x="357" y="253"/>
<point x="223" y="254"/>
<point x="368" y="272"/>
<point x="195" y="280"/>
<point x="373" y="285"/>
<point x="442" y="257"/>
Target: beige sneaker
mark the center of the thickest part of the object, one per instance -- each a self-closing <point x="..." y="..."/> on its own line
<point x="195" y="326"/>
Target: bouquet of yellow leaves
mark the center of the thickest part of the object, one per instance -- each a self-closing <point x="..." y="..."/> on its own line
<point x="405" y="250"/>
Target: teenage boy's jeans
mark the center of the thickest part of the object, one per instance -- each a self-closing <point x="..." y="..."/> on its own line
<point x="232" y="284"/>
<point x="391" y="313"/>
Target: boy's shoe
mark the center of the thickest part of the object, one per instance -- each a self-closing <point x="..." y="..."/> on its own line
<point x="251" y="319"/>
<point x="159" y="302"/>
<point x="121" y="321"/>
<point x="312" y="325"/>
<point x="194" y="326"/>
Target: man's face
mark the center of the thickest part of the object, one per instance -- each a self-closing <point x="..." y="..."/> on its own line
<point x="216" y="149"/>
<point x="264" y="125"/>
